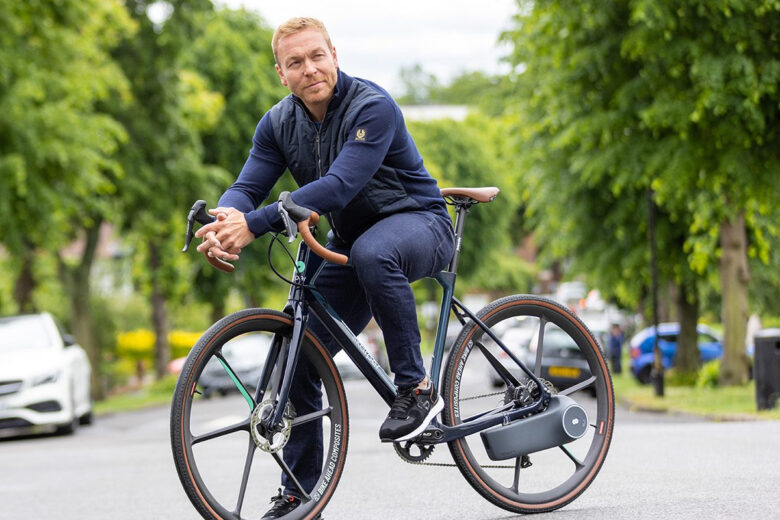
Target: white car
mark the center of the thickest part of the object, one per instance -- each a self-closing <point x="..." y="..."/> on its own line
<point x="44" y="377"/>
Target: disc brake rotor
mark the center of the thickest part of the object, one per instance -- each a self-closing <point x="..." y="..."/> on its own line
<point x="278" y="439"/>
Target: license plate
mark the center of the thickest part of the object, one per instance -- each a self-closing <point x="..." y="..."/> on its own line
<point x="568" y="372"/>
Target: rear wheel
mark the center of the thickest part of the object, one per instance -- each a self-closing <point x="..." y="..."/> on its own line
<point x="559" y="349"/>
<point x="228" y="465"/>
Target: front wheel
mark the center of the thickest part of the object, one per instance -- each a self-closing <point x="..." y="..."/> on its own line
<point x="228" y="463"/>
<point x="558" y="348"/>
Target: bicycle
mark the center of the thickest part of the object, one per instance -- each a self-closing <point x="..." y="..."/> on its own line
<point x="551" y="423"/>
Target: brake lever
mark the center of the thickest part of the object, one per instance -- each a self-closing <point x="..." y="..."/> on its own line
<point x="198" y="214"/>
<point x="304" y="220"/>
<point x="290" y="228"/>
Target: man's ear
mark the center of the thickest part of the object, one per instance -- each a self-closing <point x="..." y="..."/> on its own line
<point x="335" y="58"/>
<point x="281" y="75"/>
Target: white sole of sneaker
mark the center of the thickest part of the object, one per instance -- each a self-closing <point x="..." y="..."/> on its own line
<point x="438" y="407"/>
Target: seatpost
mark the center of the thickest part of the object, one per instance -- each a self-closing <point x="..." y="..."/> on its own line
<point x="461" y="210"/>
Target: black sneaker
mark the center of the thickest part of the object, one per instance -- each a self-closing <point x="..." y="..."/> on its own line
<point x="412" y="411"/>
<point x="282" y="505"/>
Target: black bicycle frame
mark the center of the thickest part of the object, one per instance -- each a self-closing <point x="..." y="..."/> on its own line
<point x="305" y="299"/>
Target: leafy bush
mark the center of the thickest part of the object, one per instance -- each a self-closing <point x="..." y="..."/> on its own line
<point x="708" y="375"/>
<point x="181" y="342"/>
<point x="136" y="344"/>
<point x="139" y="343"/>
<point x="771" y="322"/>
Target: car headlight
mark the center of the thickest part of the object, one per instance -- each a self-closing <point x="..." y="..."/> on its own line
<point x="46" y="379"/>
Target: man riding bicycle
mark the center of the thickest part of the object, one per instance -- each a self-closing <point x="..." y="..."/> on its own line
<point x="346" y="144"/>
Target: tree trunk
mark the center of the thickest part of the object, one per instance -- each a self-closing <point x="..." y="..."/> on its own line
<point x="686" y="360"/>
<point x="76" y="280"/>
<point x="734" y="276"/>
<point x="673" y="296"/>
<point x="665" y="304"/>
<point x="159" y="316"/>
<point x="25" y="282"/>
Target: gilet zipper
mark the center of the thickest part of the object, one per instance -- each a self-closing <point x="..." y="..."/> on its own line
<point x="319" y="176"/>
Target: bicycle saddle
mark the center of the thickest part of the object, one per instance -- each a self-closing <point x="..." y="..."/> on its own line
<point x="476" y="194"/>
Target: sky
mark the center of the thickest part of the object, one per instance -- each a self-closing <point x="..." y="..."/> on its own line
<point x="374" y="39"/>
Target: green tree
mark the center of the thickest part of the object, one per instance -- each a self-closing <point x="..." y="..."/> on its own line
<point x="163" y="157"/>
<point x="678" y="97"/>
<point x="486" y="92"/>
<point x="715" y="109"/>
<point x="55" y="146"/>
<point x="233" y="54"/>
<point x="765" y="272"/>
<point x="418" y="85"/>
<point x="473" y="153"/>
<point x="58" y="172"/>
<point x="471" y="88"/>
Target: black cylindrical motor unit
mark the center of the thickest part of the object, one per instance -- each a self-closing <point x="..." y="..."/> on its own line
<point x="563" y="421"/>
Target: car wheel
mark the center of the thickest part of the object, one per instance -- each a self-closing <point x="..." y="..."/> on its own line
<point x="69" y="427"/>
<point x="87" y="418"/>
<point x="644" y="375"/>
<point x="73" y="424"/>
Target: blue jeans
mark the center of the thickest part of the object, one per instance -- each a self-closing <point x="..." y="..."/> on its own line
<point x="394" y="252"/>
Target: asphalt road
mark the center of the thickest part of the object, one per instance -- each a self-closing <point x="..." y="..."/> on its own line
<point x="659" y="466"/>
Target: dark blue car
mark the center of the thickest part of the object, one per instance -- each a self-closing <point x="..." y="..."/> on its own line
<point x="641" y="345"/>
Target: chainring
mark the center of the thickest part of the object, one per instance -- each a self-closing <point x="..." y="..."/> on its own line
<point x="413" y="452"/>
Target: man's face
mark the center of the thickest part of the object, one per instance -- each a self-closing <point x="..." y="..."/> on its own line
<point x="308" y="68"/>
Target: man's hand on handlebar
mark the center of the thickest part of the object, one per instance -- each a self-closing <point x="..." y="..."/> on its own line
<point x="225" y="237"/>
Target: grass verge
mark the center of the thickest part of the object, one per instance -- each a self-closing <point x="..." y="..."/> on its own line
<point x="156" y="394"/>
<point x="730" y="403"/>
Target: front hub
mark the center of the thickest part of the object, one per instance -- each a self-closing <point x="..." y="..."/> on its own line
<point x="273" y="439"/>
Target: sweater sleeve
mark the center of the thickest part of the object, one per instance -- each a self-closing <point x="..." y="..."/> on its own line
<point x="261" y="171"/>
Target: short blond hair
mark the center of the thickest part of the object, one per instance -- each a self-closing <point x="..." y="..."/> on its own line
<point x="296" y="25"/>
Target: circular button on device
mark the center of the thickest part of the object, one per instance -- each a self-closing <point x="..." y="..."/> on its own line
<point x="575" y="421"/>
